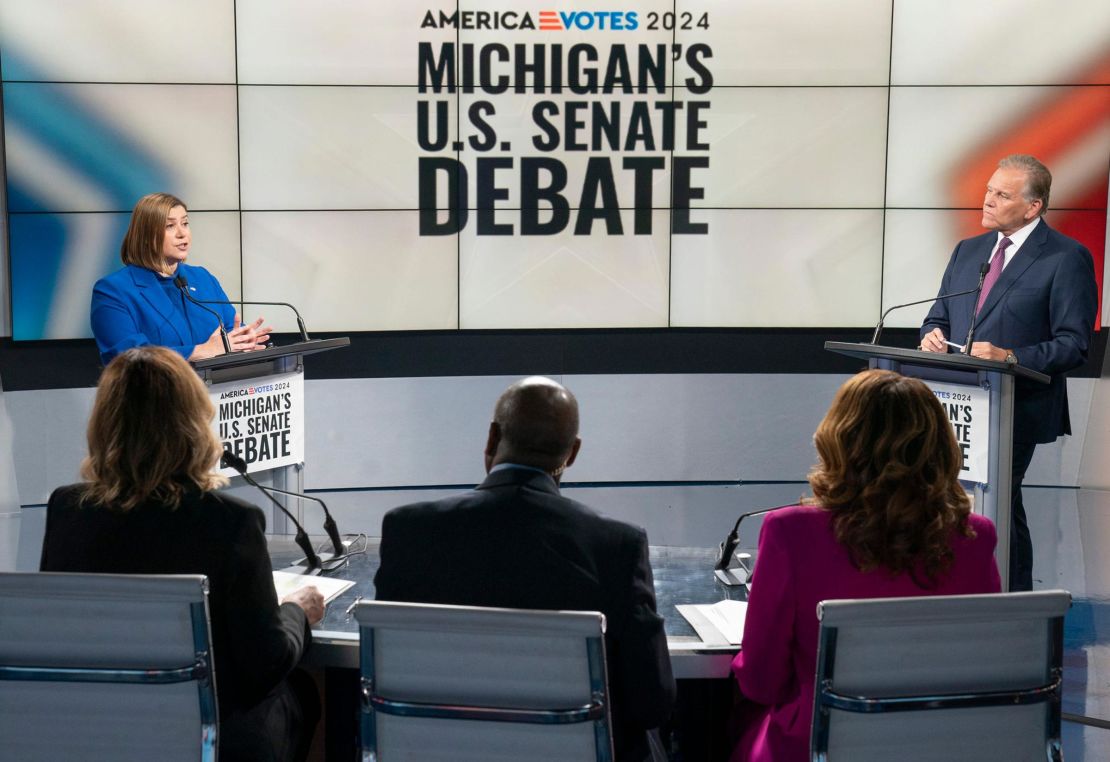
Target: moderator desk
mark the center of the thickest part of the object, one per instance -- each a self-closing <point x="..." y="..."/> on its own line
<point x="682" y="575"/>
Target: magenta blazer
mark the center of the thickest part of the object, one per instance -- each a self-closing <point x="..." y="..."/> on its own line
<point x="800" y="563"/>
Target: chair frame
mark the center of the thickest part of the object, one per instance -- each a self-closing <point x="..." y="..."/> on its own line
<point x="827" y="699"/>
<point x="200" y="671"/>
<point x="596" y="711"/>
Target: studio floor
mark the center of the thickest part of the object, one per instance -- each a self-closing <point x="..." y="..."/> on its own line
<point x="1071" y="541"/>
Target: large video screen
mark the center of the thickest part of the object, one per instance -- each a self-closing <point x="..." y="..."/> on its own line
<point x="496" y="165"/>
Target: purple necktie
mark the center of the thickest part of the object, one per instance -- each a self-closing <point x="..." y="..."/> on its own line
<point x="994" y="272"/>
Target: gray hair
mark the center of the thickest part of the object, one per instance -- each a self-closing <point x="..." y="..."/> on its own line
<point x="1038" y="180"/>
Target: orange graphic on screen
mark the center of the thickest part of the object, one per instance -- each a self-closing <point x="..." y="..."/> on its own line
<point x="1062" y="128"/>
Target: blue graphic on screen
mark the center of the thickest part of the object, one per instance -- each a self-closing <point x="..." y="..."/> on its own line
<point x="57" y="254"/>
<point x="33" y="277"/>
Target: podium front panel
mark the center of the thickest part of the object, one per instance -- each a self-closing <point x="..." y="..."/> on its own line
<point x="261" y="420"/>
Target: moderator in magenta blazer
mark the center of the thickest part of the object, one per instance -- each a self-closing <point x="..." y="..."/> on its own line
<point x="800" y="563"/>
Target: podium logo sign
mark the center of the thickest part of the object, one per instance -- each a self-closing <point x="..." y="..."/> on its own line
<point x="262" y="423"/>
<point x="968" y="410"/>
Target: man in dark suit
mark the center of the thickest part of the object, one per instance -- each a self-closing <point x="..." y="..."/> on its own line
<point x="515" y="542"/>
<point x="1037" y="309"/>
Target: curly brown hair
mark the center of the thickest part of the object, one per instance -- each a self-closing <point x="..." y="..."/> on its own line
<point x="887" y="470"/>
<point x="149" y="435"/>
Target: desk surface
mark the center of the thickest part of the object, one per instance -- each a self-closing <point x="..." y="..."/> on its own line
<point x="682" y="575"/>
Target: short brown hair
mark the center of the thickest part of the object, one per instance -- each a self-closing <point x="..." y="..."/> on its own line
<point x="888" y="470"/>
<point x="149" y="434"/>
<point x="142" y="244"/>
<point x="1038" y="180"/>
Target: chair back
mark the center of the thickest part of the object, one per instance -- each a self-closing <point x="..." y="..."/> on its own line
<point x="940" y="677"/>
<point x="466" y="683"/>
<point x="105" y="667"/>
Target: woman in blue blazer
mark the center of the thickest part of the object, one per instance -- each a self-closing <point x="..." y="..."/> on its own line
<point x="144" y="304"/>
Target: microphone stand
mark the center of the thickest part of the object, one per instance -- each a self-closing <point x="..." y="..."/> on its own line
<point x="230" y="460"/>
<point x="329" y="522"/>
<point x="733" y="576"/>
<point x="183" y="285"/>
<point x="983" y="268"/>
<point x="300" y="322"/>
<point x="882" y="319"/>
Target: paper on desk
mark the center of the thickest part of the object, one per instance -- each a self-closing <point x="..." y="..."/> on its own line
<point x="718" y="623"/>
<point x="329" y="587"/>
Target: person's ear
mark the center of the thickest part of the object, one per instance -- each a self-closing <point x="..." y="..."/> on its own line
<point x="573" y="452"/>
<point x="493" y="441"/>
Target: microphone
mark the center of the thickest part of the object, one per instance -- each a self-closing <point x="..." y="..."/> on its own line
<point x="183" y="285"/>
<point x="231" y="460"/>
<point x="329" y="522"/>
<point x="726" y="548"/>
<point x="300" y="323"/>
<point x="983" y="268"/>
<point x="879" y="327"/>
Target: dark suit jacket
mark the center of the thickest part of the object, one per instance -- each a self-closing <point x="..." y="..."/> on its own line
<point x="515" y="542"/>
<point x="130" y="308"/>
<point x="255" y="642"/>
<point x="1042" y="307"/>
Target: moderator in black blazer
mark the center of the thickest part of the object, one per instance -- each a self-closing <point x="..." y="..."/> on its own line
<point x="1042" y="307"/>
<point x="255" y="641"/>
<point x="515" y="542"/>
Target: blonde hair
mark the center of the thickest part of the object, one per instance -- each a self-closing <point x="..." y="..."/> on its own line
<point x="149" y="434"/>
<point x="888" y="470"/>
<point x="142" y="244"/>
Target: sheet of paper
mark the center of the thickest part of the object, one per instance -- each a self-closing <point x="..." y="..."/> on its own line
<point x="717" y="623"/>
<point x="329" y="587"/>
<point x="728" y="618"/>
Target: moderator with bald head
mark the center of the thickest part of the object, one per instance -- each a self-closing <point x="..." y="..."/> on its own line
<point x="536" y="420"/>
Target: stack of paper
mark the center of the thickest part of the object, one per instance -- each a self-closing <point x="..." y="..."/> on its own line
<point x="329" y="587"/>
<point x="717" y="624"/>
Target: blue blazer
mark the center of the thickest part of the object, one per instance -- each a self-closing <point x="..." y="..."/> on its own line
<point x="1042" y="307"/>
<point x="131" y="308"/>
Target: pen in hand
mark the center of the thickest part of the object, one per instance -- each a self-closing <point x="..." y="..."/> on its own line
<point x="350" y="609"/>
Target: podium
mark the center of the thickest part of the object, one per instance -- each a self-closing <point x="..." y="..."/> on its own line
<point x="976" y="376"/>
<point x="264" y="362"/>
<point x="259" y="399"/>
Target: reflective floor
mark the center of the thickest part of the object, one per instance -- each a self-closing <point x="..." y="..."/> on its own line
<point x="1071" y="542"/>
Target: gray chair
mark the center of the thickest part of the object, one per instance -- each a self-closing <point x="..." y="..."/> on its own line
<point x="968" y="677"/>
<point x="464" y="683"/>
<point x="105" y="667"/>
